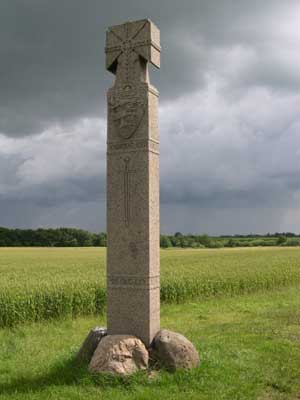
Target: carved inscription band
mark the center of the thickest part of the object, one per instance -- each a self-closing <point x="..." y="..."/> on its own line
<point x="133" y="281"/>
<point x="148" y="145"/>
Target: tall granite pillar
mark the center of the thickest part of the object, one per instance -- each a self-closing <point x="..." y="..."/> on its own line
<point x="133" y="305"/>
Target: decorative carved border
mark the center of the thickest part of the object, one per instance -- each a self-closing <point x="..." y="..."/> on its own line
<point x="136" y="145"/>
<point x="133" y="281"/>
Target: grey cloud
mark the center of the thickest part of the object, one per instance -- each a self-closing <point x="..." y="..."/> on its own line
<point x="60" y="165"/>
<point x="52" y="58"/>
<point x="61" y="192"/>
<point x="89" y="215"/>
<point x="229" y="112"/>
<point x="224" y="152"/>
<point x="218" y="221"/>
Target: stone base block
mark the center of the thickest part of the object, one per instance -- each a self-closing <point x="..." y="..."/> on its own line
<point x="174" y="351"/>
<point x="119" y="354"/>
<point x="90" y="344"/>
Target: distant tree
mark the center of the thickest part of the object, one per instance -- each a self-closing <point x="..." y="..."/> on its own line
<point x="204" y="240"/>
<point x="175" y="241"/>
<point x="231" y="243"/>
<point x="71" y="242"/>
<point x="95" y="239"/>
<point x="62" y="237"/>
<point x="103" y="239"/>
<point x="165" y="242"/>
<point x="290" y="234"/>
<point x="281" y="240"/>
<point x="184" y="242"/>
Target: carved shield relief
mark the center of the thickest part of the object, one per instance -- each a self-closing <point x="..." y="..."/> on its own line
<point x="127" y="107"/>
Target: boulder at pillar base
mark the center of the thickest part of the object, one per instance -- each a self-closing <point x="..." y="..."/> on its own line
<point x="173" y="351"/>
<point x="120" y="355"/>
<point x="90" y="344"/>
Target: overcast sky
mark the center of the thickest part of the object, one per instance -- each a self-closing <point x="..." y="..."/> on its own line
<point x="229" y="112"/>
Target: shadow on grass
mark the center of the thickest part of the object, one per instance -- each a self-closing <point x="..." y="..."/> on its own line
<point x="69" y="373"/>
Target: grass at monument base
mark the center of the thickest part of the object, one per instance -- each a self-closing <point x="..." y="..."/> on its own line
<point x="249" y="347"/>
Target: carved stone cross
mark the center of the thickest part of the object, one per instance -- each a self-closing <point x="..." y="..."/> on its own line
<point x="128" y="49"/>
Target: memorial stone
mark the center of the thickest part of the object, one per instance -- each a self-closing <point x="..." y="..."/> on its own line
<point x="133" y="277"/>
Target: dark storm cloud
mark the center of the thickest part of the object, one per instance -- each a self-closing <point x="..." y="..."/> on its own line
<point x="52" y="58"/>
<point x="27" y="214"/>
<point x="78" y="190"/>
<point x="229" y="112"/>
<point x="56" y="167"/>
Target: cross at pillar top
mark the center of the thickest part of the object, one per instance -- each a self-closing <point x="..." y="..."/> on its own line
<point x="129" y="47"/>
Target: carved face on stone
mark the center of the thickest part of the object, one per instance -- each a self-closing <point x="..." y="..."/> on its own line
<point x="127" y="113"/>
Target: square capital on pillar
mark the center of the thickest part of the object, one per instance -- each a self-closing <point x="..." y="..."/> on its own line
<point x="141" y="37"/>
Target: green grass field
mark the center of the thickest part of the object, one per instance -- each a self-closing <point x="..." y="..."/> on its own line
<point x="239" y="306"/>
<point x="249" y="348"/>
<point x="45" y="283"/>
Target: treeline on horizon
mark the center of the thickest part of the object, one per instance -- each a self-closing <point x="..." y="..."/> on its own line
<point x="215" y="242"/>
<point x="72" y="237"/>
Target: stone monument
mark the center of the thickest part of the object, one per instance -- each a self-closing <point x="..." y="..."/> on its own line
<point x="133" y="278"/>
<point x="133" y="182"/>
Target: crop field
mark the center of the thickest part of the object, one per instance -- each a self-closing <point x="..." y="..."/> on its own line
<point x="45" y="283"/>
<point x="240" y="307"/>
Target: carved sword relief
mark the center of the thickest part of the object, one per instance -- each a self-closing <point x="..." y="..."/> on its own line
<point x="127" y="190"/>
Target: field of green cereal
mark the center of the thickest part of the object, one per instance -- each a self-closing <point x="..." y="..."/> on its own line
<point x="240" y="307"/>
<point x="45" y="283"/>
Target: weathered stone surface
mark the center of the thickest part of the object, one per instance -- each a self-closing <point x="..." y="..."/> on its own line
<point x="119" y="354"/>
<point x="174" y="351"/>
<point x="90" y="344"/>
<point x="133" y="305"/>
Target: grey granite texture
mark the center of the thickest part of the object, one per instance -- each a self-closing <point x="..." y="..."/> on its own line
<point x="90" y="344"/>
<point x="174" y="351"/>
<point x="133" y="277"/>
<point x="119" y="354"/>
